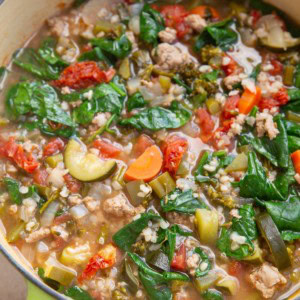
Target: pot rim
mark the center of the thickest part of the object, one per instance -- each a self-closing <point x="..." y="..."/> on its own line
<point x="29" y="276"/>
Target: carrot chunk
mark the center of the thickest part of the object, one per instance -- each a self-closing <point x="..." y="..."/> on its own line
<point x="296" y="160"/>
<point x="249" y="100"/>
<point x="147" y="166"/>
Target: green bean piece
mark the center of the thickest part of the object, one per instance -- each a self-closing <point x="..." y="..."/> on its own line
<point x="288" y="75"/>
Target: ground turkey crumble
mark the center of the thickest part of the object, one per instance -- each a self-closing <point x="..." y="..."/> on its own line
<point x="169" y="57"/>
<point x="38" y="235"/>
<point x="195" y="22"/>
<point x="267" y="279"/>
<point x="168" y="35"/>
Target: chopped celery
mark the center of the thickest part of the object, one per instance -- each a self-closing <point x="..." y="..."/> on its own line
<point x="53" y="160"/>
<point x="165" y="82"/>
<point x="288" y="75"/>
<point x="256" y="257"/>
<point x="57" y="271"/>
<point x="207" y="223"/>
<point x="75" y="255"/>
<point x="205" y="282"/>
<point x="213" y="106"/>
<point x="240" y="163"/>
<point x="107" y="27"/>
<point x="3" y="121"/>
<point x="119" y="176"/>
<point x="51" y="198"/>
<point x="229" y="284"/>
<point x="134" y="190"/>
<point x="163" y="184"/>
<point x="14" y="234"/>
<point x="124" y="69"/>
<point x="292" y="116"/>
<point x="184" y="167"/>
<point x="297" y="77"/>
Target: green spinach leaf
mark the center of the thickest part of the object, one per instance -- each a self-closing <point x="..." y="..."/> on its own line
<point x="256" y="184"/>
<point x="290" y="236"/>
<point x="182" y="202"/>
<point x="286" y="215"/>
<point x="151" y="23"/>
<point x="95" y="54"/>
<point x="136" y="101"/>
<point x="204" y="259"/>
<point x="127" y="235"/>
<point x="219" y="34"/>
<point x="13" y="188"/>
<point x="212" y="294"/>
<point x="157" y="118"/>
<point x="119" y="47"/>
<point x="244" y="226"/>
<point x="37" y="98"/>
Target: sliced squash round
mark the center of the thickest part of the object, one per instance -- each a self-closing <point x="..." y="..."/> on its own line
<point x="86" y="166"/>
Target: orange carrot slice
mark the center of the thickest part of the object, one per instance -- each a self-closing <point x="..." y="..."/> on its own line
<point x="296" y="160"/>
<point x="147" y="166"/>
<point x="249" y="100"/>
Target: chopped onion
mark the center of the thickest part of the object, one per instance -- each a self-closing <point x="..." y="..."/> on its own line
<point x="191" y="129"/>
<point x="133" y="85"/>
<point x="135" y="9"/>
<point x="49" y="214"/>
<point x="134" y="25"/>
<point x="78" y="211"/>
<point x="42" y="247"/>
<point x="28" y="252"/>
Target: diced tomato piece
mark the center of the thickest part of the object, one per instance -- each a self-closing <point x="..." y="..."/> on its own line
<point x="235" y="268"/>
<point x="173" y="150"/>
<point x="104" y="259"/>
<point x="55" y="145"/>
<point x="206" y="124"/>
<point x="279" y="99"/>
<point x="40" y="176"/>
<point x="230" y="107"/>
<point x="107" y="150"/>
<point x="256" y="15"/>
<point x="143" y="142"/>
<point x="72" y="183"/>
<point x="179" y="260"/>
<point x="277" y="67"/>
<point x="10" y="149"/>
<point x="83" y="75"/>
<point x="220" y="139"/>
<point x="174" y="16"/>
<point x="231" y="67"/>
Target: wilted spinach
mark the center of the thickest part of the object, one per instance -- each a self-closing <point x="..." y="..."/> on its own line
<point x="127" y="235"/>
<point x="218" y="34"/>
<point x="275" y="150"/>
<point x="157" y="118"/>
<point x="36" y="98"/>
<point x="182" y="202"/>
<point x="13" y="188"/>
<point x="212" y="294"/>
<point x="155" y="283"/>
<point x="44" y="63"/>
<point x="256" y="184"/>
<point x="136" y="101"/>
<point x="95" y="54"/>
<point x="119" y="47"/>
<point x="77" y="293"/>
<point x="244" y="226"/>
<point x="151" y="23"/>
<point x="203" y="259"/>
<point x="105" y="98"/>
<point x="289" y="236"/>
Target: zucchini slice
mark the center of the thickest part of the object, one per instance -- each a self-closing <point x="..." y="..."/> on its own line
<point x="86" y="166"/>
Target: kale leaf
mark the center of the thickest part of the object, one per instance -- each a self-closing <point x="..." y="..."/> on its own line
<point x="127" y="235"/>
<point x="119" y="47"/>
<point x="43" y="63"/>
<point x="155" y="283"/>
<point x="218" y="34"/>
<point x="77" y="293"/>
<point x="286" y="215"/>
<point x="182" y="202"/>
<point x="37" y="98"/>
<point x="275" y="150"/>
<point x="157" y="118"/>
<point x="245" y="227"/>
<point x="136" y="101"/>
<point x="151" y="23"/>
<point x="256" y="184"/>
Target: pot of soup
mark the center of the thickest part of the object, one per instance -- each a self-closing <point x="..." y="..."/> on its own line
<point x="150" y="150"/>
